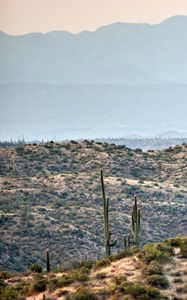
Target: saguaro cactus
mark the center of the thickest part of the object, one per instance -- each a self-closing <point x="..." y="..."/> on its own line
<point x="47" y="261"/>
<point x="127" y="241"/>
<point x="107" y="232"/>
<point x="136" y="222"/>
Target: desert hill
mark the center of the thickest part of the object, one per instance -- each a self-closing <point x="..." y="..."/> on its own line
<point x="158" y="271"/>
<point x="51" y="198"/>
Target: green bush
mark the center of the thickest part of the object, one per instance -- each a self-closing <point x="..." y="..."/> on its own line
<point x="65" y="280"/>
<point x="104" y="262"/>
<point x="19" y="150"/>
<point x="183" y="248"/>
<point x="8" y="293"/>
<point x="158" y="281"/>
<point x="124" y="253"/>
<point x="80" y="274"/>
<point x="174" y="242"/>
<point x="36" y="268"/>
<point x="157" y="252"/>
<point x="142" y="292"/>
<point x="118" y="280"/>
<point x="83" y="294"/>
<point x="4" y="275"/>
<point x="154" y="268"/>
<point x="2" y="284"/>
<point x="39" y="284"/>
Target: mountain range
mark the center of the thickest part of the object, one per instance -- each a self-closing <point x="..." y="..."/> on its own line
<point x="117" y="53"/>
<point x="119" y="79"/>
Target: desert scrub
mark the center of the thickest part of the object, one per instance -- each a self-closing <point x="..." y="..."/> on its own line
<point x="139" y="291"/>
<point x="101" y="275"/>
<point x="80" y="274"/>
<point x="19" y="150"/>
<point x="118" y="280"/>
<point x="180" y="242"/>
<point x="5" y="275"/>
<point x="82" y="294"/>
<point x="36" y="268"/>
<point x="65" y="280"/>
<point x="174" y="242"/>
<point x="183" y="247"/>
<point x="124" y="253"/>
<point x="104" y="262"/>
<point x="154" y="268"/>
<point x="8" y="293"/>
<point x="2" y="285"/>
<point x="156" y="252"/>
<point x="158" y="281"/>
<point x="40" y="284"/>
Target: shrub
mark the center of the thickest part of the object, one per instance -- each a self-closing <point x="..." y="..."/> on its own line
<point x="80" y="274"/>
<point x="124" y="253"/>
<point x="86" y="264"/>
<point x="63" y="281"/>
<point x="142" y="292"/>
<point x="4" y="275"/>
<point x="8" y="293"/>
<point x="158" y="281"/>
<point x="182" y="289"/>
<point x="101" y="275"/>
<point x="118" y="280"/>
<point x="83" y="294"/>
<point x="177" y="280"/>
<point x="36" y="268"/>
<point x="174" y="242"/>
<point x="183" y="248"/>
<point x="2" y="284"/>
<point x="154" y="268"/>
<point x="39" y="284"/>
<point x="157" y="252"/>
<point x="104" y="262"/>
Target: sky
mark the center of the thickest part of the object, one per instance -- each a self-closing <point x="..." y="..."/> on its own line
<point x="23" y="16"/>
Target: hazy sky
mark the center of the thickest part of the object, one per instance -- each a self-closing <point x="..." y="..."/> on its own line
<point x="21" y="16"/>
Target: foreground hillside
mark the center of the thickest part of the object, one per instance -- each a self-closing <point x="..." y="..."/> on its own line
<point x="158" y="271"/>
<point x="51" y="198"/>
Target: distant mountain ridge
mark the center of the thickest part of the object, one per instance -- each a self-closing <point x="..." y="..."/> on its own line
<point x="119" y="79"/>
<point x="72" y="111"/>
<point x="127" y="53"/>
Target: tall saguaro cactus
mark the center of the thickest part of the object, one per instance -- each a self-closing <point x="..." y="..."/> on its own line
<point x="107" y="232"/>
<point x="47" y="261"/>
<point x="136" y="222"/>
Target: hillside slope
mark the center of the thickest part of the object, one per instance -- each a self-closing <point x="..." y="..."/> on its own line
<point x="51" y="198"/>
<point x="158" y="271"/>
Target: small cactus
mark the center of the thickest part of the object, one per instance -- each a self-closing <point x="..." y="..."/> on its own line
<point x="136" y="222"/>
<point x="107" y="232"/>
<point x="127" y="242"/>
